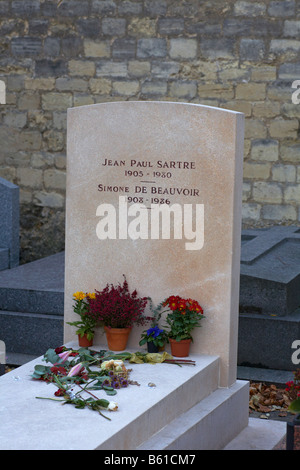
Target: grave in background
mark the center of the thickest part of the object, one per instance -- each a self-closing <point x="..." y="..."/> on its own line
<point x="9" y="227"/>
<point x="270" y="273"/>
<point x="269" y="297"/>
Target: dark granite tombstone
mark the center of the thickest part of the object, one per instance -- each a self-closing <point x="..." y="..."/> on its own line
<point x="9" y="227"/>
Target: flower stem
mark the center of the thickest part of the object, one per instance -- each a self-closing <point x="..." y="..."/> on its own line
<point x="87" y="391"/>
<point x="49" y="398"/>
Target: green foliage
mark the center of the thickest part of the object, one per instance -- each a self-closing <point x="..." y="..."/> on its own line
<point x="295" y="406"/>
<point x="40" y="371"/>
<point x="181" y="325"/>
<point x="87" y="323"/>
<point x="51" y="356"/>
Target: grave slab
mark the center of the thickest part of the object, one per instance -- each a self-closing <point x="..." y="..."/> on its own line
<point x="32" y="305"/>
<point x="36" y="287"/>
<point x="28" y="423"/>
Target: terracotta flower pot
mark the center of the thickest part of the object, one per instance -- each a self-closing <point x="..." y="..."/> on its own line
<point x="84" y="342"/>
<point x="117" y="338"/>
<point x="180" y="348"/>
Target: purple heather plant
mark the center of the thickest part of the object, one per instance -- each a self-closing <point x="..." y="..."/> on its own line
<point x="117" y="307"/>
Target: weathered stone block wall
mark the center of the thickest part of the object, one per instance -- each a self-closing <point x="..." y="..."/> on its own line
<point x="241" y="55"/>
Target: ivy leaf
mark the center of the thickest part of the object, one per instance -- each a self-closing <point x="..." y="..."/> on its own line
<point x="295" y="406"/>
<point x="111" y="392"/>
<point x="40" y="370"/>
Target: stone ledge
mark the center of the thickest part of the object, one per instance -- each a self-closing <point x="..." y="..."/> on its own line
<point x="208" y="425"/>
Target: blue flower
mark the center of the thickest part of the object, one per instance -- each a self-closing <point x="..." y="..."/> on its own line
<point x="155" y="332"/>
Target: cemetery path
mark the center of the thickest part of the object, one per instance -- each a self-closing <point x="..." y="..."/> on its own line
<point x="282" y="444"/>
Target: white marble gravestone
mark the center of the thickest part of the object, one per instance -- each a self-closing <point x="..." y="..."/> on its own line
<point x="126" y="160"/>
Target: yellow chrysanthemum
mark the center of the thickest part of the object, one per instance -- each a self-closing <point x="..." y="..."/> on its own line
<point x="79" y="295"/>
<point x="91" y="295"/>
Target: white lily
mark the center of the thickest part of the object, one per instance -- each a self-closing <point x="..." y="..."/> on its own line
<point x="112" y="406"/>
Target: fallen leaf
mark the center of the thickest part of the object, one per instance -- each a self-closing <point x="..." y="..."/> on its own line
<point x="264" y="409"/>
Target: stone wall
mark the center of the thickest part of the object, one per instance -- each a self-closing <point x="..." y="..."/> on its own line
<point x="240" y="55"/>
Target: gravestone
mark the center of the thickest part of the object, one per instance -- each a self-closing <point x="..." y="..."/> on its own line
<point x="269" y="319"/>
<point x="128" y="161"/>
<point x="9" y="227"/>
<point x="270" y="270"/>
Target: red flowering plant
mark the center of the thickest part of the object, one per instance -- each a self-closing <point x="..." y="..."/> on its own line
<point x="117" y="307"/>
<point x="293" y="387"/>
<point x="184" y="315"/>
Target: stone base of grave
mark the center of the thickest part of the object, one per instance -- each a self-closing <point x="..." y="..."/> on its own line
<point x="208" y="425"/>
<point x="184" y="410"/>
<point x="2" y="357"/>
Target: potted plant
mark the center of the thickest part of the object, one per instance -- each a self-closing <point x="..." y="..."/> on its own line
<point x="118" y="310"/>
<point x="154" y="337"/>
<point x="183" y="316"/>
<point x="87" y="323"/>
